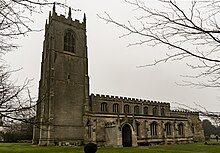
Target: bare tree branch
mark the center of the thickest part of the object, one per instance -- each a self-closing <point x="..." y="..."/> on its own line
<point x="15" y="100"/>
<point x="190" y="33"/>
<point x="15" y="21"/>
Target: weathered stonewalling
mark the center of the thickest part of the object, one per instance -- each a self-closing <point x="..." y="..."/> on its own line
<point x="67" y="114"/>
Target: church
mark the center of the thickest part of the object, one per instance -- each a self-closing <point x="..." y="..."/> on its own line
<point x="67" y="114"/>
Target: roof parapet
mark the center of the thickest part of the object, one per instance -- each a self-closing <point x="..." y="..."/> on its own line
<point x="127" y="99"/>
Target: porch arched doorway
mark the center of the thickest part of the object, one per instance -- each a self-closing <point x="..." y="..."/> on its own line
<point x="126" y="136"/>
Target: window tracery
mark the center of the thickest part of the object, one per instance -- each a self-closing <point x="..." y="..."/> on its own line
<point x="115" y="108"/>
<point x="153" y="129"/>
<point x="69" y="41"/>
<point x="104" y="107"/>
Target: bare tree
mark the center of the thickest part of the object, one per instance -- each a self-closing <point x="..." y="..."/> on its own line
<point x="16" y="102"/>
<point x="14" y="22"/>
<point x="203" y="112"/>
<point x="15" y="17"/>
<point x="190" y="29"/>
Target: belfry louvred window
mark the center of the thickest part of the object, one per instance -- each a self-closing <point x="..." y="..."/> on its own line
<point x="69" y="41"/>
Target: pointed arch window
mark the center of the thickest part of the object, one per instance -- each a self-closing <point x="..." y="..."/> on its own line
<point x="168" y="129"/>
<point x="136" y="110"/>
<point x="115" y="108"/>
<point x="180" y="129"/>
<point x="137" y="129"/>
<point x="162" y="112"/>
<point x="126" y="109"/>
<point x="155" y="111"/>
<point x="145" y="110"/>
<point x="104" y="107"/>
<point x="193" y="128"/>
<point x="153" y="129"/>
<point x="89" y="132"/>
<point x="69" y="41"/>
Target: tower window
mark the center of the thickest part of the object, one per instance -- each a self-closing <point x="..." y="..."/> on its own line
<point x="69" y="41"/>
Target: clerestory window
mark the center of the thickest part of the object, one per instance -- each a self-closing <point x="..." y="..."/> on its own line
<point x="162" y="112"/>
<point x="136" y="110"/>
<point x="104" y="107"/>
<point x="145" y="110"/>
<point x="126" y="109"/>
<point x="115" y="108"/>
<point x="155" y="111"/>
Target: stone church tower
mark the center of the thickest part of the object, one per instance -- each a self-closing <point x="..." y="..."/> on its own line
<point x="64" y="83"/>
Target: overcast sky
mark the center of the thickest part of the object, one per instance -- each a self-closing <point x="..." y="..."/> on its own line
<point x="112" y="65"/>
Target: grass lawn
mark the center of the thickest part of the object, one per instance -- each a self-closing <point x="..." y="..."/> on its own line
<point x="189" y="148"/>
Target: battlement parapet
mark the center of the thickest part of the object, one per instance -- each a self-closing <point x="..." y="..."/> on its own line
<point x="185" y="112"/>
<point x="68" y="20"/>
<point x="127" y="99"/>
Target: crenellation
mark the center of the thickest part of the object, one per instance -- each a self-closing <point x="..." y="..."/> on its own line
<point x="67" y="20"/>
<point x="153" y="102"/>
<point x="62" y="16"/>
<point x="185" y="111"/>
<point x="49" y="16"/>
<point x="130" y="100"/>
